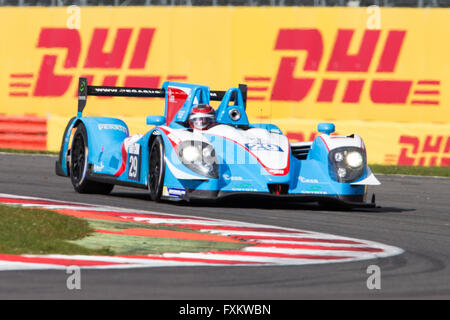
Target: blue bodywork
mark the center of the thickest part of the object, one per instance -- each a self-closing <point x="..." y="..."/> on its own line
<point x="308" y="177"/>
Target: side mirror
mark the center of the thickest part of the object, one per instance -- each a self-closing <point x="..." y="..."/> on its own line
<point x="156" y="120"/>
<point x="326" y="128"/>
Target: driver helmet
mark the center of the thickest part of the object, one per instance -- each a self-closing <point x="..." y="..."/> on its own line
<point x="202" y="117"/>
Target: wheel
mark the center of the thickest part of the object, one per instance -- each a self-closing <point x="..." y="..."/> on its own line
<point x="79" y="166"/>
<point x="156" y="169"/>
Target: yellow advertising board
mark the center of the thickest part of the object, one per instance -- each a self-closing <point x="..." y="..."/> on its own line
<point x="383" y="73"/>
<point x="306" y="63"/>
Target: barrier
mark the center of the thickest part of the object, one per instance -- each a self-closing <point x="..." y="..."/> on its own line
<point x="306" y="63"/>
<point x="23" y="132"/>
<point x="383" y="75"/>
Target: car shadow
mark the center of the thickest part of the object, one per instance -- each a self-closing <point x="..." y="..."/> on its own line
<point x="261" y="203"/>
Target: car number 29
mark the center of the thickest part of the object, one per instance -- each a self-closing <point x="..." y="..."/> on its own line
<point x="263" y="147"/>
<point x="133" y="167"/>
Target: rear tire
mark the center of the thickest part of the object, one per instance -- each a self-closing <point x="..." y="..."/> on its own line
<point x="79" y="165"/>
<point x="156" y="169"/>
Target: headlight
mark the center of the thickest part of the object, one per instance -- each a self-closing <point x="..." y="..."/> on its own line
<point x="341" y="172"/>
<point x="200" y="157"/>
<point x="346" y="164"/>
<point x="190" y="154"/>
<point x="338" y="156"/>
<point x="354" y="159"/>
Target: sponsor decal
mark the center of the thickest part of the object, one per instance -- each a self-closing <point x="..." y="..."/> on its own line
<point x="275" y="171"/>
<point x="232" y="178"/>
<point x="306" y="180"/>
<point x="134" y="149"/>
<point x="313" y="192"/>
<point x="311" y="181"/>
<point x="113" y="127"/>
<point x="244" y="186"/>
<point x="173" y="192"/>
<point x="82" y="88"/>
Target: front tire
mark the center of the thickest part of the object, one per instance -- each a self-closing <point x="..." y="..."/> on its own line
<point x="156" y="169"/>
<point x="79" y="166"/>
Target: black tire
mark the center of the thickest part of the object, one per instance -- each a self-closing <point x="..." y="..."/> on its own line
<point x="156" y="169"/>
<point x="79" y="165"/>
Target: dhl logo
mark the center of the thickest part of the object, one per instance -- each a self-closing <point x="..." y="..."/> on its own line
<point x="51" y="84"/>
<point x="432" y="151"/>
<point x="287" y="87"/>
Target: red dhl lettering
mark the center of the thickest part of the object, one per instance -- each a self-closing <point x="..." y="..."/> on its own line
<point x="96" y="58"/>
<point x="432" y="151"/>
<point x="52" y="84"/>
<point x="287" y="87"/>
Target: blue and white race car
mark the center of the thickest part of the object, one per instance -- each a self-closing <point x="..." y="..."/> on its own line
<point x="197" y="152"/>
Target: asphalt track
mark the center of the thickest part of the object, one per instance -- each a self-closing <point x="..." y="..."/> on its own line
<point x="414" y="215"/>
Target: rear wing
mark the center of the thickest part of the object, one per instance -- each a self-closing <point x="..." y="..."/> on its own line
<point x="84" y="90"/>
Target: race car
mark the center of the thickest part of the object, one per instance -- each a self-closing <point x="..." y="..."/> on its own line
<point x="197" y="152"/>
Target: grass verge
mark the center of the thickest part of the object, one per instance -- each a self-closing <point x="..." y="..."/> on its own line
<point x="411" y="170"/>
<point x="123" y="244"/>
<point x="36" y="231"/>
<point x="136" y="245"/>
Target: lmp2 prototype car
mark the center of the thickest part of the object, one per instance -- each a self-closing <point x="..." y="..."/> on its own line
<point x="226" y="156"/>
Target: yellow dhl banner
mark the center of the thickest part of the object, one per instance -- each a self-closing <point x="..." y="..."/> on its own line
<point x="390" y="65"/>
<point x="386" y="142"/>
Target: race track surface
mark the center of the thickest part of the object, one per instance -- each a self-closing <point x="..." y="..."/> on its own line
<point x="414" y="215"/>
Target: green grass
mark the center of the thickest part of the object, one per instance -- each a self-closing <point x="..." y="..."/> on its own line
<point x="28" y="151"/>
<point x="411" y="170"/>
<point x="136" y="245"/>
<point x="122" y="225"/>
<point x="36" y="231"/>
